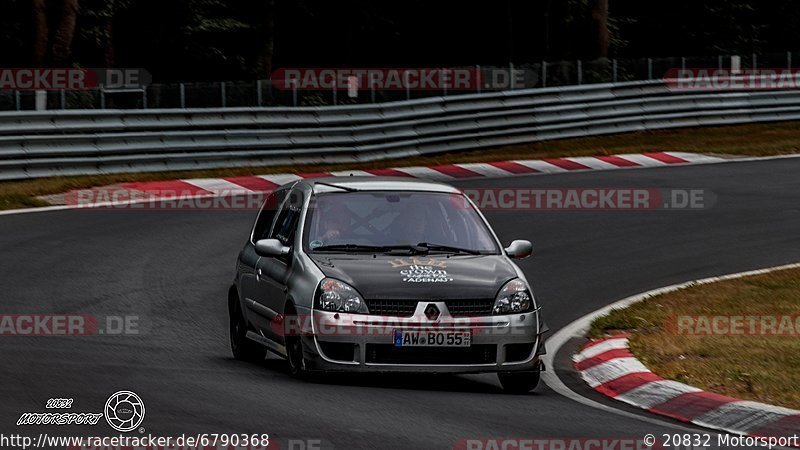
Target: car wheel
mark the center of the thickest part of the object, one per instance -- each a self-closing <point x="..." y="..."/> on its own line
<point x="298" y="367"/>
<point x="243" y="349"/>
<point x="519" y="382"/>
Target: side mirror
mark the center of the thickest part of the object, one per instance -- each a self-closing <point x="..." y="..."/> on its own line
<point x="271" y="248"/>
<point x="519" y="250"/>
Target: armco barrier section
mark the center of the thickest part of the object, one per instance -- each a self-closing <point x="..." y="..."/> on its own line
<point x="89" y="142"/>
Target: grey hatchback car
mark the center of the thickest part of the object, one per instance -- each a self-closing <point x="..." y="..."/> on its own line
<point x="370" y="274"/>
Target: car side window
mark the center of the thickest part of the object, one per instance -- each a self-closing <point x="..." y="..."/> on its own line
<point x="267" y="214"/>
<point x="286" y="226"/>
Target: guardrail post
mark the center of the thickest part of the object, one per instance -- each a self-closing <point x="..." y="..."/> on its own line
<point x="512" y="78"/>
<point x="479" y="80"/>
<point x="63" y="99"/>
<point x="755" y="61"/>
<point x="335" y="94"/>
<point x="258" y="92"/>
<point x="683" y="63"/>
<point x="222" y="93"/>
<point x="719" y="62"/>
<point x="17" y="101"/>
<point x="372" y="90"/>
<point x="144" y="98"/>
<point x="649" y="68"/>
<point x="407" y="85"/>
<point x="614" y="70"/>
<point x="544" y="74"/>
<point x="444" y="82"/>
<point x="183" y="96"/>
<point x="102" y="97"/>
<point x="294" y="93"/>
<point x="580" y="72"/>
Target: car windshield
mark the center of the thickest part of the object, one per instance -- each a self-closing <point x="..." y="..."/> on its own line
<point x="421" y="221"/>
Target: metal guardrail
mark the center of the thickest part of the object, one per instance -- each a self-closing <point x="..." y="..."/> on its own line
<point x="88" y="142"/>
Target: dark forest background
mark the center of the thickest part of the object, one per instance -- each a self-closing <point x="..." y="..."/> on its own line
<point x="196" y="40"/>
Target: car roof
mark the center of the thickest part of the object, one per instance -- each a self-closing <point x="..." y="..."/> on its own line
<point x="362" y="183"/>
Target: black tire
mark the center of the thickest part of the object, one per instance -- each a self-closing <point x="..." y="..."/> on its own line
<point x="242" y="348"/>
<point x="295" y="356"/>
<point x="519" y="382"/>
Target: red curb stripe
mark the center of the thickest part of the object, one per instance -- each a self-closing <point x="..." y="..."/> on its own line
<point x="665" y="158"/>
<point x="315" y="175"/>
<point x="388" y="173"/>
<point x="456" y="171"/>
<point x="626" y="383"/>
<point x="515" y="168"/>
<point x="604" y="357"/>
<point x="253" y="183"/>
<point x="689" y="406"/>
<point x="617" y="161"/>
<point x="786" y="426"/>
<point x="567" y="164"/>
<point x="609" y="338"/>
<point x="170" y="187"/>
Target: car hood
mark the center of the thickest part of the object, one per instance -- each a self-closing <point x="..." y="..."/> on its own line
<point x="427" y="277"/>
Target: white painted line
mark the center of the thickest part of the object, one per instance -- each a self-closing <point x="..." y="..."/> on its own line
<point x="655" y="393"/>
<point x="607" y="345"/>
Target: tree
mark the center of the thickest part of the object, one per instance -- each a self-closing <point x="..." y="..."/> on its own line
<point x="55" y="47"/>
<point x="600" y="35"/>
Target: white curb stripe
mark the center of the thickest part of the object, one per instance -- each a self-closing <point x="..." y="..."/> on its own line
<point x="655" y="393"/>
<point x="486" y="170"/>
<point x="218" y="186"/>
<point x="644" y="161"/>
<point x="542" y="166"/>
<point x="355" y="173"/>
<point x="594" y="163"/>
<point x="696" y="157"/>
<point x="424" y="172"/>
<point x="611" y="370"/>
<point x="281" y="179"/>
<point x="743" y="416"/>
<point x="610" y="344"/>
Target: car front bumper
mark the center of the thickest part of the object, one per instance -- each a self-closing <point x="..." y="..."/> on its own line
<point x="365" y="343"/>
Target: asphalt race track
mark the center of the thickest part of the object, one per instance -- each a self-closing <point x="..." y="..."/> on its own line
<point x="172" y="269"/>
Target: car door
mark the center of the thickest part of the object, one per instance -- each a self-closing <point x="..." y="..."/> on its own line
<point x="248" y="261"/>
<point x="272" y="273"/>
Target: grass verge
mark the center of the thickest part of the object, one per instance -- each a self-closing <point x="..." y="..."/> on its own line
<point x="754" y="140"/>
<point x="762" y="368"/>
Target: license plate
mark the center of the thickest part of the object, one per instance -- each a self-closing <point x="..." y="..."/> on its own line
<point x="434" y="338"/>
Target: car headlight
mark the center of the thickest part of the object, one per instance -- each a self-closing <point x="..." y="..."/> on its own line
<point x="515" y="297"/>
<point x="336" y="296"/>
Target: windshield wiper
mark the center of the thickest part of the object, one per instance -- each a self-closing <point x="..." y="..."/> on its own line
<point x="448" y="248"/>
<point x="369" y="248"/>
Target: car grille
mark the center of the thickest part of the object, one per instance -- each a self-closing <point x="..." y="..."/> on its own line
<point x="406" y="308"/>
<point x="389" y="354"/>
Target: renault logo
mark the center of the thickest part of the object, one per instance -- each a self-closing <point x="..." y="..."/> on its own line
<point x="432" y="312"/>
